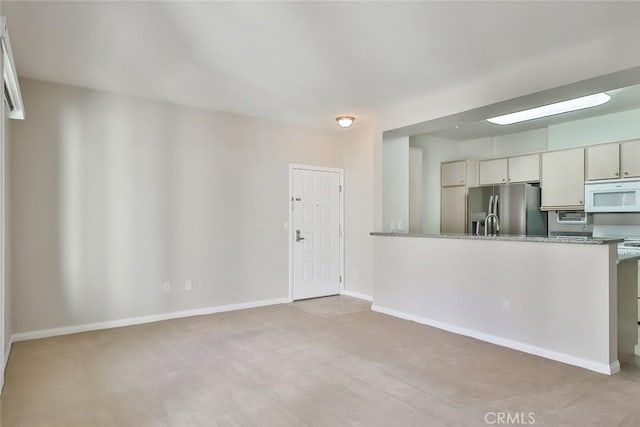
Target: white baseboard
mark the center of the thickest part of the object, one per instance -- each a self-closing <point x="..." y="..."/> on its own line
<point x="7" y="352"/>
<point x="66" y="330"/>
<point x="357" y="295"/>
<point x="614" y="368"/>
<point x="608" y="369"/>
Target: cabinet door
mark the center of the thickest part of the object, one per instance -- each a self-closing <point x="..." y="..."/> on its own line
<point x="453" y="173"/>
<point x="524" y="168"/>
<point x="453" y="212"/>
<point x="562" y="179"/>
<point x="630" y="155"/>
<point x="603" y="161"/>
<point x="493" y="171"/>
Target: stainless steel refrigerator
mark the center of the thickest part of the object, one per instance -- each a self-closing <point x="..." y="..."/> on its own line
<point x="506" y="209"/>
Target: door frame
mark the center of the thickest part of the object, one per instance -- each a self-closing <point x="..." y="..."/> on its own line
<point x="290" y="233"/>
<point x="3" y="233"/>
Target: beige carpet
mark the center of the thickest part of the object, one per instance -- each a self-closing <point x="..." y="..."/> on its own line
<point x="323" y="362"/>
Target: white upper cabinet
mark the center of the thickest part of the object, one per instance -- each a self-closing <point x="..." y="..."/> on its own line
<point x="455" y="178"/>
<point x="630" y="158"/>
<point x="493" y="171"/>
<point x="602" y="162"/>
<point x="513" y="169"/>
<point x="612" y="161"/>
<point x="562" y="179"/>
<point x="453" y="173"/>
<point x="524" y="168"/>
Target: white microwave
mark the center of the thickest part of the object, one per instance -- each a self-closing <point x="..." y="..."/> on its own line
<point x="615" y="195"/>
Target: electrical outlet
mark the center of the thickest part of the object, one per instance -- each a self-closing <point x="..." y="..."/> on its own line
<point x="188" y="285"/>
<point x="506" y="305"/>
<point x="166" y="286"/>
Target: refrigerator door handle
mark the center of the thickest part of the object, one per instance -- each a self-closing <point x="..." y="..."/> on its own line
<point x="495" y="211"/>
<point x="488" y="229"/>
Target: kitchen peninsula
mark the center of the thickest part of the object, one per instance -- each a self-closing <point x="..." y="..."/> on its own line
<point x="556" y="298"/>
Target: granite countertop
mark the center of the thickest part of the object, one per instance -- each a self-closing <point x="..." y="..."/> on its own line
<point x="509" y="238"/>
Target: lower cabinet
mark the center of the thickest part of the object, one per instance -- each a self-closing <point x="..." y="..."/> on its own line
<point x="453" y="209"/>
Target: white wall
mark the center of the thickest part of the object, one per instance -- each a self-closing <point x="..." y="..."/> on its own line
<point x="5" y="300"/>
<point x="504" y="145"/>
<point x="613" y="127"/>
<point x="596" y="130"/>
<point x="358" y="165"/>
<point x="434" y="151"/>
<point x="480" y="148"/>
<point x="415" y="190"/>
<point x="560" y="298"/>
<point x="112" y="195"/>
<point x="395" y="172"/>
<point x="8" y="328"/>
<point x="530" y="141"/>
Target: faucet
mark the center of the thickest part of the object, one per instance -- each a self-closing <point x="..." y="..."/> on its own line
<point x="492" y="217"/>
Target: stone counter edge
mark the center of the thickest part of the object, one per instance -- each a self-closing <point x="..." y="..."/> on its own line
<point x="505" y="238"/>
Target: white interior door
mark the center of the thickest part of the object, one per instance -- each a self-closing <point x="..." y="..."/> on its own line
<point x="316" y="233"/>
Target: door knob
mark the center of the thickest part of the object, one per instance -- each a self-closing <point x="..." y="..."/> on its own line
<point x="298" y="237"/>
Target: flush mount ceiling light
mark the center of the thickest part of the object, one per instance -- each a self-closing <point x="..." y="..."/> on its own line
<point x="345" y="121"/>
<point x="552" y="109"/>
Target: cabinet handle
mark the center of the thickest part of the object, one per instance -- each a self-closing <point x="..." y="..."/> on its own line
<point x="616" y="173"/>
<point x="579" y="202"/>
<point x="626" y="173"/>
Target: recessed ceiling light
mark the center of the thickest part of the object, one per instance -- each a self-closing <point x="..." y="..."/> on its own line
<point x="345" y="121"/>
<point x="552" y="109"/>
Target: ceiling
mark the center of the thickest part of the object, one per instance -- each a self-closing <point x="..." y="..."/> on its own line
<point x="298" y="62"/>
<point x="622" y="99"/>
<point x="623" y="86"/>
